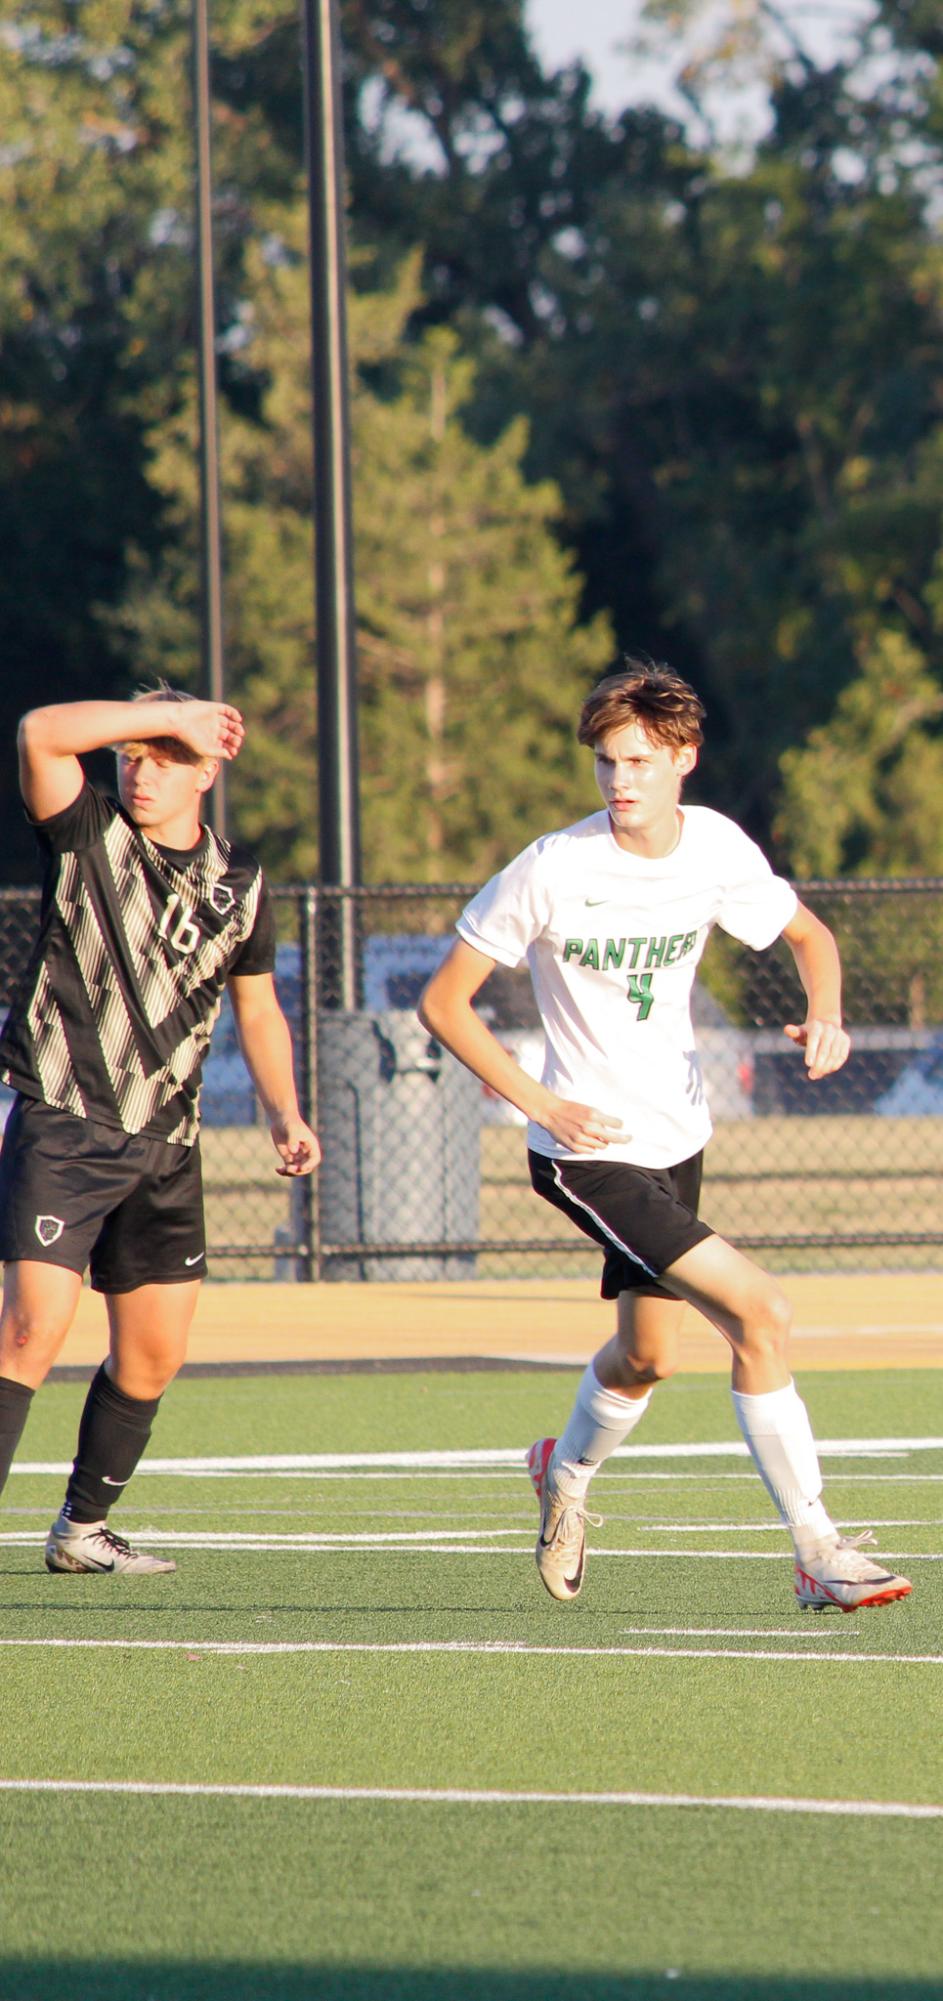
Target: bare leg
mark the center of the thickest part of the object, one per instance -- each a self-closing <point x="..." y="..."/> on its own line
<point x="740" y="1299"/>
<point x="751" y="1312"/>
<point x="614" y="1392"/>
<point x="39" y="1303"/>
<point x="644" y="1348"/>
<point x="746" y="1306"/>
<point x="150" y="1328"/>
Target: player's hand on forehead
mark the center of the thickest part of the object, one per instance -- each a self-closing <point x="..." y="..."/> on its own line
<point x="213" y="729"/>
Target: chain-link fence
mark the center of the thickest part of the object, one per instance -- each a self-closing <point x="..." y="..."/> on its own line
<point x="425" y="1173"/>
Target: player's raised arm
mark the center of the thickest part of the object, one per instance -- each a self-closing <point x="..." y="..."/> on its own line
<point x="265" y="1041"/>
<point x="445" y="1009"/>
<point x="51" y="740"/>
<point x="821" y="1037"/>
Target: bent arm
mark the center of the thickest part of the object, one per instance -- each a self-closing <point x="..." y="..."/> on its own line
<point x="445" y="1009"/>
<point x="821" y="1035"/>
<point x="51" y="740"/>
<point x="265" y="1041"/>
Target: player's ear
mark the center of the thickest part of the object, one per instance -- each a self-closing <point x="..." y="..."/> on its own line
<point x="686" y="759"/>
<point x="207" y="773"/>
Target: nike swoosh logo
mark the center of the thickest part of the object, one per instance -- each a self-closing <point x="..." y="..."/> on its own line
<point x="196" y="1260"/>
<point x="595" y="902"/>
<point x="107" y="1481"/>
<point x="838" y="1581"/>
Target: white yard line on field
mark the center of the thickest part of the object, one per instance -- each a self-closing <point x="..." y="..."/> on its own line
<point x="641" y="1523"/>
<point x="460" y="1796"/>
<point x="457" y="1517"/>
<point x="314" y="1543"/>
<point x="521" y="1649"/>
<point x="488" y="1456"/>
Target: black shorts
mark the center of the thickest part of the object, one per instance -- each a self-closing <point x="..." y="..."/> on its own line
<point x="77" y="1194"/>
<point x="645" y="1218"/>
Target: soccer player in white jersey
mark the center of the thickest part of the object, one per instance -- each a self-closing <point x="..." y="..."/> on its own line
<point x="612" y="916"/>
<point x="146" y="917"/>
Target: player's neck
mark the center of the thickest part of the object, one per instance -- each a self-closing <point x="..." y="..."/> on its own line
<point x="652" y="843"/>
<point x="181" y="831"/>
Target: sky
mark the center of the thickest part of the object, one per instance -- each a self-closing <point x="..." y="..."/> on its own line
<point x="598" y="30"/>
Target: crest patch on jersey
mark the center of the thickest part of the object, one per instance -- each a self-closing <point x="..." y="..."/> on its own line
<point x="221" y="897"/>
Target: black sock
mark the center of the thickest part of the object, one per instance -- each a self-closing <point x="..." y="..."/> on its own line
<point x="112" y="1435"/>
<point x="15" y="1400"/>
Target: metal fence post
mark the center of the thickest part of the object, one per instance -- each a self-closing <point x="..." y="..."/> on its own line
<point x="309" y="1262"/>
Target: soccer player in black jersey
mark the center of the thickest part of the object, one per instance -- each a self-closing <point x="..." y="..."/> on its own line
<point x="146" y="917"/>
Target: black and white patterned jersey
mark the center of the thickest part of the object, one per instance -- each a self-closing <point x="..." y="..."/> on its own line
<point x="113" y="1016"/>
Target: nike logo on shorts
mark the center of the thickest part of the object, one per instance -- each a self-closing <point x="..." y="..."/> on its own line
<point x="196" y="1260"/>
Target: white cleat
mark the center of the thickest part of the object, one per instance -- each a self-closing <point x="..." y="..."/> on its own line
<point x="840" y="1578"/>
<point x="94" y="1548"/>
<point x="561" y="1544"/>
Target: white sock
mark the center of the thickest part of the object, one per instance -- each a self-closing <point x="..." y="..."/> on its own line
<point x="600" y="1420"/>
<point x="777" y="1430"/>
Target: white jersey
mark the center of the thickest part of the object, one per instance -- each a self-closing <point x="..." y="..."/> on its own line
<point x="612" y="941"/>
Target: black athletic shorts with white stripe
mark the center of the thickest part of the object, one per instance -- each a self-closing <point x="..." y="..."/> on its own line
<point x="645" y="1218"/>
<point x="75" y="1193"/>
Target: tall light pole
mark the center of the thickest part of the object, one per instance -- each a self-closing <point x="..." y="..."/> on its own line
<point x="333" y="533"/>
<point x="211" y="556"/>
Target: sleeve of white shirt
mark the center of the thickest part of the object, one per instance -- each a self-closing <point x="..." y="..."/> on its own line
<point x="509" y="912"/>
<point x="756" y="904"/>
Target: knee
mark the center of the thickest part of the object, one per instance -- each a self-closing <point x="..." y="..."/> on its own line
<point x="29" y="1342"/>
<point x="144" y="1377"/>
<point x="29" y="1327"/>
<point x="645" y="1369"/>
<point x="766" y="1324"/>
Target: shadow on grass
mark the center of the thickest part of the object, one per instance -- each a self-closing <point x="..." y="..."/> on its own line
<point x="175" y="1980"/>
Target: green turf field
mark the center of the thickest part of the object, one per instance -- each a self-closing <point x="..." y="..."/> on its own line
<point x="353" y="1750"/>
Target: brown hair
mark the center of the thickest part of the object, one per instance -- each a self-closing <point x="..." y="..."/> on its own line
<point x="663" y="705"/>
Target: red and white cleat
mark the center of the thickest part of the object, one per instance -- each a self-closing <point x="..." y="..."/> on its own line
<point x="840" y="1578"/>
<point x="561" y="1544"/>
